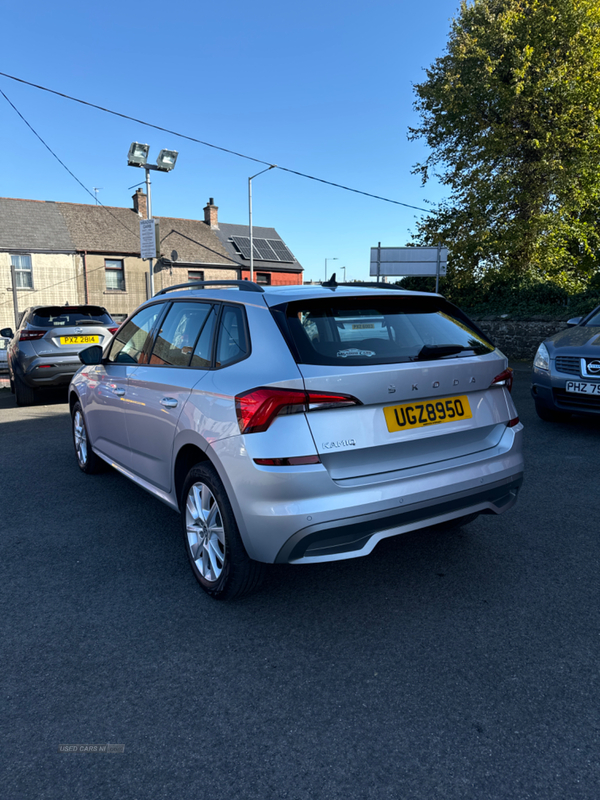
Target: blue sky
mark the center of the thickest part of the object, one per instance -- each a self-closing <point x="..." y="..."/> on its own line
<point x="324" y="88"/>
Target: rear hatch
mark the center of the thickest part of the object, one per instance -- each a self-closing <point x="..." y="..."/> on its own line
<point x="422" y="375"/>
<point x="64" y="331"/>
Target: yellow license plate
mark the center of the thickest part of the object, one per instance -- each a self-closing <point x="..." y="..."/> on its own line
<point x="431" y="412"/>
<point x="79" y="339"/>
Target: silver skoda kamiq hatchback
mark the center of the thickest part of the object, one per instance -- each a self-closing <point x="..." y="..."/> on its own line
<point x="300" y="424"/>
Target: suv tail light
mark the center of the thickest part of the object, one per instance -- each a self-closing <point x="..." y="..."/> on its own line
<point x="113" y="330"/>
<point x="257" y="408"/>
<point x="29" y="336"/>
<point x="504" y="379"/>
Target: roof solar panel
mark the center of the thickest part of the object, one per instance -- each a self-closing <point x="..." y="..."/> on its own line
<point x="266" y="252"/>
<point x="281" y="251"/>
<point x="264" y="249"/>
<point x="243" y="245"/>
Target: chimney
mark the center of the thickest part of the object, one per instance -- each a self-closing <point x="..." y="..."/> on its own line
<point x="211" y="216"/>
<point x="140" y="204"/>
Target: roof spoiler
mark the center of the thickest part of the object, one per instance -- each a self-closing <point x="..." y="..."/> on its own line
<point x="333" y="284"/>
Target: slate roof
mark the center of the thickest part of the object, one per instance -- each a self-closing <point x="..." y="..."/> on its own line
<point x="48" y="226"/>
<point x="225" y="231"/>
<point x="33" y="225"/>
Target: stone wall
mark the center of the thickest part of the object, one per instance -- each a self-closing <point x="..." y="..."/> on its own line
<point x="519" y="339"/>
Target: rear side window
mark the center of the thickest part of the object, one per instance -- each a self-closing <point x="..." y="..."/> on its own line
<point x="64" y="316"/>
<point x="380" y="330"/>
<point x="233" y="343"/>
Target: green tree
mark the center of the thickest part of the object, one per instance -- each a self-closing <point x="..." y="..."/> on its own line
<point x="511" y="114"/>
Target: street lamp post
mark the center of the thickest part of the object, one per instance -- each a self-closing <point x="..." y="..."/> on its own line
<point x="250" y="217"/>
<point x="326" y="260"/>
<point x="138" y="157"/>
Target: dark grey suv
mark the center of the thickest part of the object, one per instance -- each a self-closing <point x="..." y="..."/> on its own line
<point x="44" y="351"/>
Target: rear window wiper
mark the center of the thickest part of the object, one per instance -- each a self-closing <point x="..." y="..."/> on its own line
<point x="431" y="351"/>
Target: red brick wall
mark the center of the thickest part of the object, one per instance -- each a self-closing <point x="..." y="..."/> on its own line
<point x="277" y="278"/>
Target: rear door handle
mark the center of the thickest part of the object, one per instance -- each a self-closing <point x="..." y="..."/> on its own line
<point x="169" y="402"/>
<point x="119" y="392"/>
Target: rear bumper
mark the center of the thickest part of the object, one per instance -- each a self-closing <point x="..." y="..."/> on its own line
<point x="39" y="375"/>
<point x="301" y="515"/>
<point x="359" y="535"/>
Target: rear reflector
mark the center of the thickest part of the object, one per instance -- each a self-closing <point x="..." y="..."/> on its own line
<point x="504" y="379"/>
<point x="514" y="421"/>
<point x="29" y="336"/>
<point x="257" y="408"/>
<point x="295" y="461"/>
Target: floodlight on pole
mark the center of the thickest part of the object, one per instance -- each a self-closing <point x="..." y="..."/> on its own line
<point x="273" y="166"/>
<point x="326" y="260"/>
<point x="138" y="157"/>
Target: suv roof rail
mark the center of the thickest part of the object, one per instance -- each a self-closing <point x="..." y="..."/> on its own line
<point x="243" y="286"/>
<point x="333" y="284"/>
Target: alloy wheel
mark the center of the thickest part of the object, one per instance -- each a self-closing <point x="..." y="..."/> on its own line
<point x="80" y="438"/>
<point x="205" y="533"/>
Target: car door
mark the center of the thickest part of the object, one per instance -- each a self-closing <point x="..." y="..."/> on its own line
<point x="109" y="399"/>
<point x="157" y="391"/>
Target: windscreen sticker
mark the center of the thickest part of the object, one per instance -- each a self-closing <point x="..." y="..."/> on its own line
<point x="354" y="352"/>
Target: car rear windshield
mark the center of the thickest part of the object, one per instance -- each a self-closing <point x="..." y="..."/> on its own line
<point x="365" y="330"/>
<point x="64" y="316"/>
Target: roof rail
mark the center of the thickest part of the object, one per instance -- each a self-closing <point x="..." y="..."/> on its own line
<point x="243" y="286"/>
<point x="333" y="284"/>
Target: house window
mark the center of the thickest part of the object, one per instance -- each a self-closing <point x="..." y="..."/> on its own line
<point x="264" y="278"/>
<point x="23" y="271"/>
<point x="115" y="274"/>
<point x="195" y="275"/>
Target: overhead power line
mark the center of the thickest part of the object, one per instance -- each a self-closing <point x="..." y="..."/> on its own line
<point x="207" y="144"/>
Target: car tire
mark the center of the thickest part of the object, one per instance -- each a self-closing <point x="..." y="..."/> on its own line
<point x="87" y="460"/>
<point x="212" y="538"/>
<point x="550" y="415"/>
<point x="25" y="395"/>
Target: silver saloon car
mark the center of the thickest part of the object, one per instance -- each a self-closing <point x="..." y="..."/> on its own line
<point x="300" y="424"/>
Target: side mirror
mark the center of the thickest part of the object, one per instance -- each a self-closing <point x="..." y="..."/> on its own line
<point x="91" y="355"/>
<point x="574" y="321"/>
<point x="7" y="332"/>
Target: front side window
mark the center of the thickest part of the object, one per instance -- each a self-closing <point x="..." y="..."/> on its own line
<point x="129" y="344"/>
<point x="23" y="271"/>
<point x="179" y="333"/>
<point x="381" y="330"/>
<point x="115" y="274"/>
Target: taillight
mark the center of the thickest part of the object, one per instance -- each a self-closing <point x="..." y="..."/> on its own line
<point x="504" y="379"/>
<point x="29" y="336"/>
<point x="113" y="330"/>
<point x="257" y="408"/>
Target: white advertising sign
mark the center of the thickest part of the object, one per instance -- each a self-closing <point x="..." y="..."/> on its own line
<point x="403" y="261"/>
<point x="147" y="238"/>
